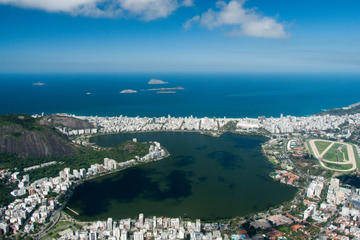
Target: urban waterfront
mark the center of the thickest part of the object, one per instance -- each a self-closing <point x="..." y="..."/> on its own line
<point x="205" y="177"/>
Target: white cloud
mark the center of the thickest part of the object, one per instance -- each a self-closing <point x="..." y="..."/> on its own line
<point x="149" y="9"/>
<point x="50" y="5"/>
<point x="188" y="3"/>
<point x="145" y="9"/>
<point x="265" y="27"/>
<point x="187" y="25"/>
<point x="243" y="21"/>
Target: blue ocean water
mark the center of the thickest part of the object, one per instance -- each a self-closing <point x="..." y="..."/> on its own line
<point x="212" y="95"/>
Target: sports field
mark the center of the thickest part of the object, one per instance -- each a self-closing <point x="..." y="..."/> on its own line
<point x="337" y="153"/>
<point x="335" y="156"/>
<point x="321" y="145"/>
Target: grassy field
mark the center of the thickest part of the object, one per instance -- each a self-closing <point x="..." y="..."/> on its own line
<point x="344" y="150"/>
<point x="309" y="148"/>
<point x="356" y="156"/>
<point x="331" y="154"/>
<point x="321" y="145"/>
<point x="338" y="166"/>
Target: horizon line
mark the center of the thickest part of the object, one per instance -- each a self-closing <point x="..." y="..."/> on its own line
<point x="182" y="72"/>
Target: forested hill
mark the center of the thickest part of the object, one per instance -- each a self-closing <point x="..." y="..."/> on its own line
<point x="57" y="120"/>
<point x="352" y="109"/>
<point x="23" y="135"/>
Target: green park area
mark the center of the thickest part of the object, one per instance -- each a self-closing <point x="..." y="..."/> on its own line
<point x="321" y="146"/>
<point x="60" y="227"/>
<point x="338" y="166"/>
<point x="335" y="157"/>
<point x="337" y="153"/>
<point x="357" y="157"/>
<point x="309" y="148"/>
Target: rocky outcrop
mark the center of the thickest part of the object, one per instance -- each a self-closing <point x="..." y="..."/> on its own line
<point x="31" y="139"/>
<point x="65" y="121"/>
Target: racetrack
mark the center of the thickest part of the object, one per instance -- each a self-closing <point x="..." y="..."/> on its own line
<point x="319" y="156"/>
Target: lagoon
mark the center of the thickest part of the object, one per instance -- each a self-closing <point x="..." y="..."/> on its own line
<point x="205" y="177"/>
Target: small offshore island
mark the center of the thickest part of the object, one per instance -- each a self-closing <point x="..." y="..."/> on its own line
<point x="307" y="153"/>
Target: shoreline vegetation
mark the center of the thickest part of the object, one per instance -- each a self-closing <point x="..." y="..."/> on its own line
<point x="84" y="157"/>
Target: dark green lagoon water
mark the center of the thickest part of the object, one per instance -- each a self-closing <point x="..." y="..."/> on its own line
<point x="205" y="177"/>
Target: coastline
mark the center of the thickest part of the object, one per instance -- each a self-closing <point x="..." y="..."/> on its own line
<point x="259" y="131"/>
<point x="217" y="133"/>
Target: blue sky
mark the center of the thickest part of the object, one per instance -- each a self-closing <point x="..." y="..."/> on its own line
<point x="179" y="36"/>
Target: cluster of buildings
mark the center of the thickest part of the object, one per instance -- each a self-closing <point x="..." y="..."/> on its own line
<point x="142" y="124"/>
<point x="136" y="124"/>
<point x="155" y="152"/>
<point x="22" y="184"/>
<point x="40" y="166"/>
<point x="141" y="228"/>
<point x="273" y="221"/>
<point x="40" y="200"/>
<point x="286" y="177"/>
<point x="77" y="132"/>
<point x="340" y="209"/>
<point x="315" y="187"/>
<point x="335" y="214"/>
<point x="5" y="175"/>
<point x="288" y="124"/>
<point x="36" y="207"/>
<point x="275" y="150"/>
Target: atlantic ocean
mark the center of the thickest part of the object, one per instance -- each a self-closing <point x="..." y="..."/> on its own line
<point x="184" y="94"/>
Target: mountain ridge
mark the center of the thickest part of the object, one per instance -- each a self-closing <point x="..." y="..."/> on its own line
<point x="24" y="136"/>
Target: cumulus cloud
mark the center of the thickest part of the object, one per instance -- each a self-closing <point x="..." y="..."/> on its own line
<point x="242" y="20"/>
<point x="187" y="25"/>
<point x="188" y="3"/>
<point x="265" y="27"/>
<point x="145" y="9"/>
<point x="149" y="9"/>
<point x="51" y="5"/>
